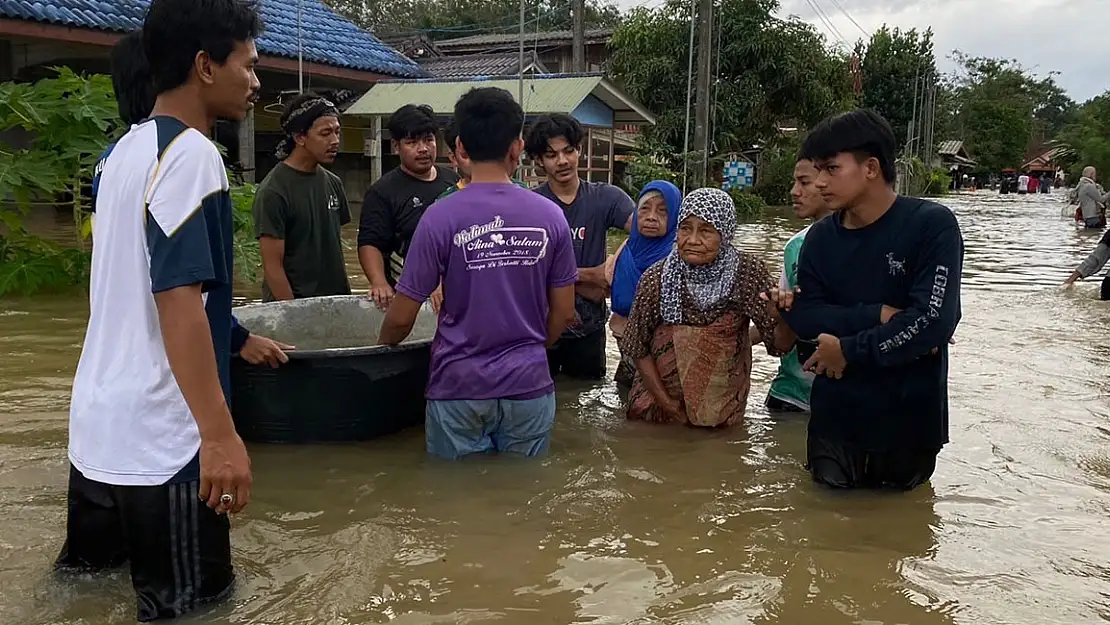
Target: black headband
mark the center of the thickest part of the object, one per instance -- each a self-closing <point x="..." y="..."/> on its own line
<point x="300" y="120"/>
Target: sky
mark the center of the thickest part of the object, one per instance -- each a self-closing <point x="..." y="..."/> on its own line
<point x="1067" y="36"/>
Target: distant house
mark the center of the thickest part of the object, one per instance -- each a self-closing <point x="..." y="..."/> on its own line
<point x="953" y="156"/>
<point x="1043" y="163"/>
<point x="553" y="48"/>
<point x="414" y="46"/>
<point x="598" y="104"/>
<point x="338" y="58"/>
<point x="474" y="65"/>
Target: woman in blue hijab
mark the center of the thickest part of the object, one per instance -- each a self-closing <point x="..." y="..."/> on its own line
<point x="654" y="225"/>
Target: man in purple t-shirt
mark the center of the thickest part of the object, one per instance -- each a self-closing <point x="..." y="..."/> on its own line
<point x="508" y="270"/>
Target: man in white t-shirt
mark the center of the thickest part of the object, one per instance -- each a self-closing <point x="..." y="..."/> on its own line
<point x="156" y="462"/>
<point x="1023" y="184"/>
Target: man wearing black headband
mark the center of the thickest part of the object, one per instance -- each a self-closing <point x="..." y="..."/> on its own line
<point x="300" y="207"/>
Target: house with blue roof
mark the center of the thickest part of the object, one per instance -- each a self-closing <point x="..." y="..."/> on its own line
<point x="304" y="42"/>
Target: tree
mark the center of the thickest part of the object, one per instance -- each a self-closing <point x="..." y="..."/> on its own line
<point x="768" y="72"/>
<point x="445" y="19"/>
<point x="997" y="106"/>
<point x="893" y="64"/>
<point x="55" y="129"/>
<point x="1053" y="110"/>
<point x="1086" y="140"/>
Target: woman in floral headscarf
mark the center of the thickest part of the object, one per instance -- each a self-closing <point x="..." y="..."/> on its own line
<point x="687" y="331"/>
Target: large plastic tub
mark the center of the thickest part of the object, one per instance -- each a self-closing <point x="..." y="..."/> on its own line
<point x="338" y="385"/>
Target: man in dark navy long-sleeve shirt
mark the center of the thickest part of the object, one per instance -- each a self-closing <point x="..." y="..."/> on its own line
<point x="879" y="299"/>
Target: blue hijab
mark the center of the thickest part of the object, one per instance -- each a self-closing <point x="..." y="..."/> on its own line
<point x="642" y="252"/>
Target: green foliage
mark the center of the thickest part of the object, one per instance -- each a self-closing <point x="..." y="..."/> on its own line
<point x="644" y="168"/>
<point x="248" y="258"/>
<point x="748" y="204"/>
<point x="939" y="182"/>
<point x="29" y="265"/>
<point x="64" y="123"/>
<point x="917" y="180"/>
<point x="771" y="71"/>
<point x="774" y="175"/>
<point x="1086" y="140"/>
<point x="445" y="19"/>
<point x="55" y="130"/>
<point x="1000" y="108"/>
<point x="891" y="62"/>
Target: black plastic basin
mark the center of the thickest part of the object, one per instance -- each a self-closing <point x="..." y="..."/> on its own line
<point x="338" y="386"/>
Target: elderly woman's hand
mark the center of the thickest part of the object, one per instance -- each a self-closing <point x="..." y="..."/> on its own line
<point x="673" y="408"/>
<point x="779" y="299"/>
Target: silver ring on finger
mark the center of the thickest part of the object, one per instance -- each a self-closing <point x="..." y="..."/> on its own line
<point x="227" y="499"/>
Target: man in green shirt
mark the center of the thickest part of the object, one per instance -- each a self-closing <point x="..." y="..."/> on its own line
<point x="300" y="207"/>
<point x="450" y="135"/>
<point x="791" y="386"/>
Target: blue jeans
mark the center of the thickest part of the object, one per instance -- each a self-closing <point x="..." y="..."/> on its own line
<point x="455" y="428"/>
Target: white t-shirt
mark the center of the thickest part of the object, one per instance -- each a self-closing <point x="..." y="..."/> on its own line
<point x="1023" y="182"/>
<point x="163" y="221"/>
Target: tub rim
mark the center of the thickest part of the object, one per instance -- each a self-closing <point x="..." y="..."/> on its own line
<point x="340" y="352"/>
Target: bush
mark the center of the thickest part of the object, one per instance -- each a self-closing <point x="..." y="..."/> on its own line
<point x="748" y="204"/>
<point x="775" y="171"/>
<point x="643" y="169"/>
<point x="248" y="257"/>
<point x="939" y="183"/>
<point x="29" y="265"/>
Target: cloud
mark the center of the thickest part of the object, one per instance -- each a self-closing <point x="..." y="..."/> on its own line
<point x="1067" y="36"/>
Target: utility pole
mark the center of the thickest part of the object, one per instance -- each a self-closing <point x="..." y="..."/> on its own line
<point x="578" y="58"/>
<point x="704" y="84"/>
<point x="520" y="69"/>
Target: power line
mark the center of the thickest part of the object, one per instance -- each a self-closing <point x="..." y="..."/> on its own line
<point x="836" y="3"/>
<point x="829" y="26"/>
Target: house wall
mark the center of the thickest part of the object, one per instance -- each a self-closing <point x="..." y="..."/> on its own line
<point x="28" y="59"/>
<point x="593" y="112"/>
<point x="560" y="59"/>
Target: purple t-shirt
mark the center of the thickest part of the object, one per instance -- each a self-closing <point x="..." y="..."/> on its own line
<point x="499" y="249"/>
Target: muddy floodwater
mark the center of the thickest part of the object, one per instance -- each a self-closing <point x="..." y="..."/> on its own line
<point x="626" y="523"/>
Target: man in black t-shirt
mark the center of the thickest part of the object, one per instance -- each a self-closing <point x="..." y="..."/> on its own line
<point x="394" y="204"/>
<point x="300" y="207"/>
<point x="591" y="208"/>
<point x="878" y="301"/>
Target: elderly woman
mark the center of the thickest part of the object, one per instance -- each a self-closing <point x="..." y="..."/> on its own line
<point x="688" y="328"/>
<point x="654" y="225"/>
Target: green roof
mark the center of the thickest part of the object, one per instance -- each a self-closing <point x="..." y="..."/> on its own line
<point x="542" y="94"/>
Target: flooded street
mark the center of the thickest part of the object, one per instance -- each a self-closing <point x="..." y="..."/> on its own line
<point x="627" y="523"/>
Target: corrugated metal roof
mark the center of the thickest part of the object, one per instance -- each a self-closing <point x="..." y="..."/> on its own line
<point x="529" y="38"/>
<point x="542" y="94"/>
<point x="950" y="148"/>
<point x="479" y="65"/>
<point x="327" y="38"/>
<point x="554" y="95"/>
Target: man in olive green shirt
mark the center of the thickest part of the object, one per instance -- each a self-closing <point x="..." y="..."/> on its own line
<point x="300" y="207"/>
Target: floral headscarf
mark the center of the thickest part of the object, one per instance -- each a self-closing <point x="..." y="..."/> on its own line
<point x="706" y="284"/>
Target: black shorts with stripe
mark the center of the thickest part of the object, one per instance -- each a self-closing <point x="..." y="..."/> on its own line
<point x="179" y="550"/>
